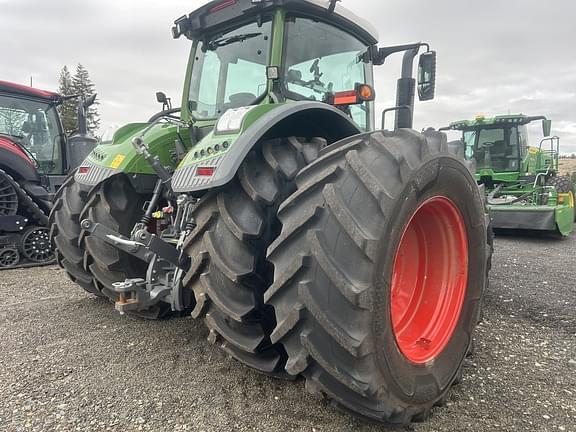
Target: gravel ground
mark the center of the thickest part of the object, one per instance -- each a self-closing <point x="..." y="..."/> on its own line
<point x="69" y="362"/>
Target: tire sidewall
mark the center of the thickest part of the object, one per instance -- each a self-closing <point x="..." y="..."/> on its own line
<point x="418" y="383"/>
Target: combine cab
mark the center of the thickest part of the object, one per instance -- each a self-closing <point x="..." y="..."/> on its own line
<point x="310" y="243"/>
<point x="35" y="157"/>
<point x="522" y="182"/>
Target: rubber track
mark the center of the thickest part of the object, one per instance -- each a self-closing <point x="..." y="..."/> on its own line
<point x="32" y="208"/>
<point x="321" y="294"/>
<point x="229" y="271"/>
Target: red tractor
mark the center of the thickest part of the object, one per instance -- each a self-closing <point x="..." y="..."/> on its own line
<point x="35" y="158"/>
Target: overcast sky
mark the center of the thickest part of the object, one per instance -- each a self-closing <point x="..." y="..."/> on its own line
<point x="495" y="56"/>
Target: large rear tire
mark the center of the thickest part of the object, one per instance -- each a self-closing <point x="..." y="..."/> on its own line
<point x="378" y="223"/>
<point x="229" y="272"/>
<point x="64" y="223"/>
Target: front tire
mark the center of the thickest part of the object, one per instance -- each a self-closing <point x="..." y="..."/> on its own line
<point x="377" y="224"/>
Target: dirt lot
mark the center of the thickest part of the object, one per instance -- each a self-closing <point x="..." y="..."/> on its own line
<point x="69" y="362"/>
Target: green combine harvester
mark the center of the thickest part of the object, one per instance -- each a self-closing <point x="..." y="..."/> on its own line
<point x="522" y="183"/>
<point x="310" y="243"/>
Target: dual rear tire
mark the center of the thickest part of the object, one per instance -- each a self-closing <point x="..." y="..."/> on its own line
<point x="376" y="266"/>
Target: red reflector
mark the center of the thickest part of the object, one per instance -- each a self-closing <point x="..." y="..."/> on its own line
<point x="222" y="5"/>
<point x="345" y="98"/>
<point x="205" y="171"/>
<point x="83" y="170"/>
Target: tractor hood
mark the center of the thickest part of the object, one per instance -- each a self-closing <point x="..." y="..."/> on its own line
<point x="9" y="145"/>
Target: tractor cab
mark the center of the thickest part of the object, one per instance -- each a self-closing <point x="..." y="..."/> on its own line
<point x="33" y="144"/>
<point x="29" y="120"/>
<point x="248" y="53"/>
<point x="499" y="147"/>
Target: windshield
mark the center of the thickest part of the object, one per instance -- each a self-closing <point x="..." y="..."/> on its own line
<point x="322" y="59"/>
<point x="35" y="126"/>
<point x="495" y="148"/>
<point x="230" y="70"/>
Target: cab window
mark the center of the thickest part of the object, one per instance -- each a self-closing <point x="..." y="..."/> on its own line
<point x="35" y="127"/>
<point x="321" y="60"/>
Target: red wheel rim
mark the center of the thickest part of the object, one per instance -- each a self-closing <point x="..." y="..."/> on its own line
<point x="429" y="279"/>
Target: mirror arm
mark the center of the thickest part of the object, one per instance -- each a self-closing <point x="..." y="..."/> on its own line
<point x="534" y="118"/>
<point x="383" y="53"/>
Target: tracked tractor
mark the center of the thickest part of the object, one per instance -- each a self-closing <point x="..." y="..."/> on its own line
<point x="35" y="157"/>
<point x="270" y="206"/>
<point x="522" y="183"/>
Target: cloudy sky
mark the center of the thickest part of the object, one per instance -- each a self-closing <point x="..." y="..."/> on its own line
<point x="495" y="56"/>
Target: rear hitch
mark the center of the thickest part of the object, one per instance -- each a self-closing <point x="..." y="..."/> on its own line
<point x="167" y="263"/>
<point x="142" y="245"/>
<point x="133" y="295"/>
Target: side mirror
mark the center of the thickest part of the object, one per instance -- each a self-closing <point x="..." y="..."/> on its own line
<point x="161" y="97"/>
<point x="547" y="127"/>
<point x="164" y="100"/>
<point x="89" y="101"/>
<point x="427" y="76"/>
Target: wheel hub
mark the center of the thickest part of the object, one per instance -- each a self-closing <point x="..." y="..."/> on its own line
<point x="9" y="256"/>
<point x="35" y="245"/>
<point x="429" y="279"/>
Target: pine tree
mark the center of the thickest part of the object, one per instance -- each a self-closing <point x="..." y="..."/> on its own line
<point x="67" y="110"/>
<point x="82" y="85"/>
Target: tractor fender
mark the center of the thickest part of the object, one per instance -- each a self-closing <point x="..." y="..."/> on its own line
<point x="307" y="119"/>
<point x="17" y="164"/>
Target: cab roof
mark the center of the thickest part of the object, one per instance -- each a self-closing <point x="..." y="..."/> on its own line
<point x="481" y="120"/>
<point x="223" y="14"/>
<point x="31" y="92"/>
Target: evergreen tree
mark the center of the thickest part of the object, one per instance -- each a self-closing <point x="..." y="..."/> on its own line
<point x="82" y="85"/>
<point x="67" y="110"/>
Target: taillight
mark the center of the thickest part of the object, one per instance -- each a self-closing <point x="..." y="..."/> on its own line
<point x="205" y="171"/>
<point x="346" y="98"/>
<point x="361" y="93"/>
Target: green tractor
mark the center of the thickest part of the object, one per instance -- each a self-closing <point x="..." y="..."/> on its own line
<point x="522" y="182"/>
<point x="269" y="205"/>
